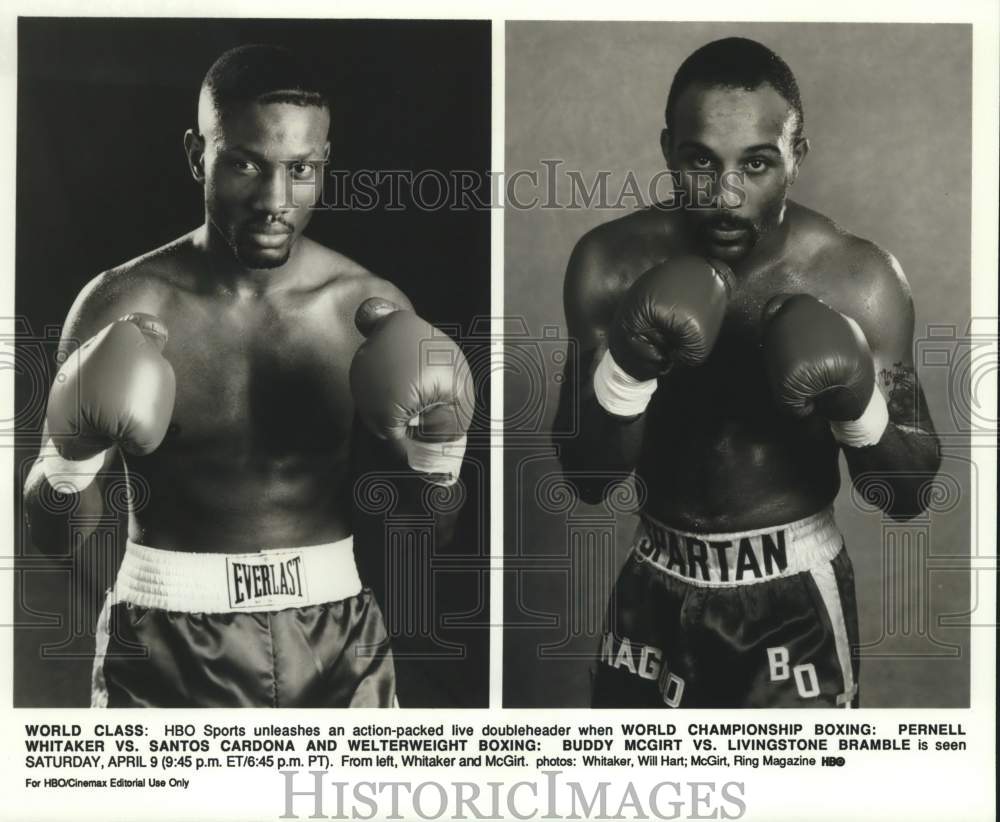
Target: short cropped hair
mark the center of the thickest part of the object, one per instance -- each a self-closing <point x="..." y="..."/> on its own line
<point x="264" y="74"/>
<point x="736" y="62"/>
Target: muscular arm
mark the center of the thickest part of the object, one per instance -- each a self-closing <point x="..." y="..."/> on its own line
<point x="51" y="514"/>
<point x="375" y="461"/>
<point x="604" y="445"/>
<point x="48" y="511"/>
<point x="907" y="456"/>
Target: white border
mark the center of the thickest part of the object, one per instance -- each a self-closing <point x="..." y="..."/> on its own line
<point x="496" y="384"/>
<point x="888" y="788"/>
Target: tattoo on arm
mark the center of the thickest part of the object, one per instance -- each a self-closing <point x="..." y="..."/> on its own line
<point x="907" y="405"/>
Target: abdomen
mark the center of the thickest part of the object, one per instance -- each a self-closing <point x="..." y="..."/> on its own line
<point x="717" y="458"/>
<point x="223" y="503"/>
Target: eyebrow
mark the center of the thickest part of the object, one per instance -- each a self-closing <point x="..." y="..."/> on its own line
<point x="768" y="147"/>
<point x="695" y="145"/>
<point x="261" y="158"/>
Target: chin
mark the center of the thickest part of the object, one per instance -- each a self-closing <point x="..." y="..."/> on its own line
<point x="257" y="258"/>
<point x="727" y="253"/>
<point x="260" y="264"/>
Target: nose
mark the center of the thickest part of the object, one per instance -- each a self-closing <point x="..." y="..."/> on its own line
<point x="272" y="195"/>
<point x="729" y="190"/>
<point x="730" y="200"/>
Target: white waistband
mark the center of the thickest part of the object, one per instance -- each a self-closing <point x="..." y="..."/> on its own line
<point x="219" y="583"/>
<point x="739" y="558"/>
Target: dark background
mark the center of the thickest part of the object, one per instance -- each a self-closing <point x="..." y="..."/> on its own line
<point x="888" y="111"/>
<point x="102" y="178"/>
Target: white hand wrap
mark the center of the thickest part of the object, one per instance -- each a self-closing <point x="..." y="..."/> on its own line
<point x="69" y="476"/>
<point x="436" y="458"/>
<point x="619" y="393"/>
<point x="868" y="428"/>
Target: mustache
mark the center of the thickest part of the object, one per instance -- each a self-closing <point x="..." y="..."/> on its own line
<point x="728" y="223"/>
<point x="276" y="226"/>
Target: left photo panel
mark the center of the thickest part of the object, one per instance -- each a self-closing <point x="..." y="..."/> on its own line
<point x="251" y="357"/>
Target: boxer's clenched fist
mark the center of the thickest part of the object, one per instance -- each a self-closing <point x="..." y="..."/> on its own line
<point x="818" y="361"/>
<point x="115" y="388"/>
<point x="412" y="386"/>
<point x="671" y="315"/>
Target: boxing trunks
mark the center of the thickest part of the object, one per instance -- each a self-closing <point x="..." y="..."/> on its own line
<point x="278" y="628"/>
<point x="761" y="619"/>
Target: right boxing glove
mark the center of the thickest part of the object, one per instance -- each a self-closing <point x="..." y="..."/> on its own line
<point x="818" y="361"/>
<point x="412" y="386"/>
<point x="670" y="315"/>
<point x="115" y="388"/>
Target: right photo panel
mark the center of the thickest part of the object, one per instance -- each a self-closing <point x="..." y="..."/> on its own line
<point x="738" y="347"/>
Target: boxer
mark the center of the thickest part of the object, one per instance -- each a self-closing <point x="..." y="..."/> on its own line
<point x="733" y="344"/>
<point x="245" y="375"/>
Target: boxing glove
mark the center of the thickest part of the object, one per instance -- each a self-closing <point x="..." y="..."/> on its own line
<point x="671" y="315"/>
<point x="412" y="386"/>
<point x="115" y="388"/>
<point x="818" y="361"/>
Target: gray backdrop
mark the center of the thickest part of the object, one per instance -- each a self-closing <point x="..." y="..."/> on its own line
<point x="888" y="111"/>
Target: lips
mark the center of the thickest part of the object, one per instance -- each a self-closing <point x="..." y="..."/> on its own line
<point x="727" y="235"/>
<point x="267" y="228"/>
<point x="268" y="236"/>
<point x="725" y="232"/>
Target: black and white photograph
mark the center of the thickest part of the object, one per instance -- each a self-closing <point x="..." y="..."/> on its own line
<point x="245" y="466"/>
<point x="547" y="410"/>
<point x="751" y="487"/>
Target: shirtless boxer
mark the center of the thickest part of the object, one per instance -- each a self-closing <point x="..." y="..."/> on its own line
<point x="228" y="370"/>
<point x="731" y="352"/>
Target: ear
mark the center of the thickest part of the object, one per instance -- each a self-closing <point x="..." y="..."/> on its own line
<point x="326" y="150"/>
<point x="194" y="147"/>
<point x="665" y="146"/>
<point x="799" y="152"/>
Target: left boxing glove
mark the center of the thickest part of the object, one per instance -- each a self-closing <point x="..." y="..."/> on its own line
<point x="818" y="361"/>
<point x="412" y="386"/>
<point x="116" y="388"/>
<point x="671" y="315"/>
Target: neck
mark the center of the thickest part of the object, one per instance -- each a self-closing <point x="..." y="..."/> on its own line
<point x="226" y="274"/>
<point x="773" y="241"/>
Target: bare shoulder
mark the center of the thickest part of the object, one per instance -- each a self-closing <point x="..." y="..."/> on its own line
<point x="627" y="242"/>
<point x="327" y="265"/>
<point x="607" y="260"/>
<point x="361" y="286"/>
<point x="864" y="281"/>
<point x="144" y="284"/>
<point x="348" y="282"/>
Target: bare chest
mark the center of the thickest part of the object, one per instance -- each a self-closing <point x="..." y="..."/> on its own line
<point x="732" y="384"/>
<point x="271" y="379"/>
